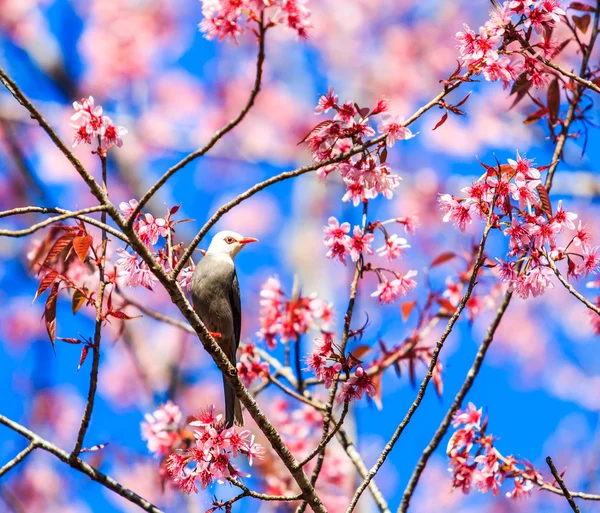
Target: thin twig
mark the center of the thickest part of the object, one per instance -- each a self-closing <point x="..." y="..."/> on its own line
<point x="89" y="407"/>
<point x="434" y="357"/>
<point x="263" y="496"/>
<point x="17" y="459"/>
<point x="80" y="465"/>
<point x="460" y="396"/>
<point x="570" y="287"/>
<point x="300" y="171"/>
<point x="562" y="485"/>
<point x="34" y="228"/>
<point x="219" y="134"/>
<point x="347" y="444"/>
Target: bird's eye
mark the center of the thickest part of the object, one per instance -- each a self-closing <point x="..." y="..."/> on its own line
<point x="229" y="240"/>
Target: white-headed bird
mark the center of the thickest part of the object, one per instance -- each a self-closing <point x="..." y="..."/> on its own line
<point x="216" y="297"/>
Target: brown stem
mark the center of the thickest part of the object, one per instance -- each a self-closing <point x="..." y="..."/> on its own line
<point x="434" y="357"/>
<point x="89" y="407"/>
<point x="562" y="485"/>
<point x="17" y="459"/>
<point x="80" y="465"/>
<point x="219" y="134"/>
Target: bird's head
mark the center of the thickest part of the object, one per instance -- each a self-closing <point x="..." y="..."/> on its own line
<point x="228" y="243"/>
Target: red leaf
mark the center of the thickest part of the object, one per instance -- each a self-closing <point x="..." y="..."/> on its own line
<point x="462" y="102"/>
<point x="360" y="351"/>
<point x="553" y="100"/>
<point x="60" y="245"/>
<point x="174" y="209"/>
<point x="321" y="125"/>
<point x="580" y="6"/>
<point x="84" y="353"/>
<point x="47" y="280"/>
<point x="441" y="121"/>
<point x="443" y="258"/>
<point x="406" y="309"/>
<point x="383" y="155"/>
<point x="520" y="88"/>
<point x="582" y="22"/>
<point x="545" y="200"/>
<point x="74" y="341"/>
<point x="535" y="116"/>
<point x="81" y="245"/>
<point x="446" y="305"/>
<point x="79" y="298"/>
<point x="50" y="313"/>
<point x="376" y="381"/>
<point x="122" y="315"/>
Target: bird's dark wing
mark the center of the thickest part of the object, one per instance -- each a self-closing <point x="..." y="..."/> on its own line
<point x="236" y="308"/>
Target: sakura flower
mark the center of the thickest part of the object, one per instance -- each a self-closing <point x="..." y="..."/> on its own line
<point x="359" y="244"/>
<point x="127" y="207"/>
<point x="459" y="213"/>
<point x="388" y="291"/>
<point x="327" y="101"/>
<point x="469" y="418"/>
<point x="161" y="429"/>
<point x="392" y="125"/>
<point x="150" y="228"/>
<point x="563" y="218"/>
<point x="591" y="261"/>
<point x="394" y="247"/>
<point x="355" y="387"/>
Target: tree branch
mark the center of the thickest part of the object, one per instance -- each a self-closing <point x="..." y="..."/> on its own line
<point x="570" y="287"/>
<point x="66" y="214"/>
<point x="219" y="134"/>
<point x="80" y="465"/>
<point x="562" y="485"/>
<point x="17" y="459"/>
<point x="89" y="407"/>
<point x="300" y="171"/>
<point x="459" y="398"/>
<point x="434" y="357"/>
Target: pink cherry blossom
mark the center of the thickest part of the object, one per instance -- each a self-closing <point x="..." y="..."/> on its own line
<point x="161" y="429"/>
<point x="392" y="125"/>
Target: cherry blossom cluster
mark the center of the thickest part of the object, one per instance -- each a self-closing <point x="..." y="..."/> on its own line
<point x="522" y="210"/>
<point x="203" y="456"/>
<point x="288" y="319"/>
<point x="250" y="367"/>
<point x="231" y="18"/>
<point x="366" y="174"/>
<point x="210" y="457"/>
<point x="161" y="429"/>
<point x="486" y="51"/>
<point x="301" y="429"/>
<point x="475" y="462"/>
<point x="156" y="233"/>
<point x="327" y="361"/>
<point x="92" y="126"/>
<point x="340" y="245"/>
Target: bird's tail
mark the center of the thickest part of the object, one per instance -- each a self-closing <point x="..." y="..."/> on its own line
<point x="233" y="407"/>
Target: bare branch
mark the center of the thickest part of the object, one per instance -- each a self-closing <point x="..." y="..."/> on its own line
<point x="187" y="254"/>
<point x="460" y="396"/>
<point x="219" y="134"/>
<point x="35" y="114"/>
<point x="17" y="459"/>
<point x="562" y="485"/>
<point x="78" y="214"/>
<point x="434" y="357"/>
<point x="570" y="287"/>
<point x="80" y="465"/>
<point x="89" y="407"/>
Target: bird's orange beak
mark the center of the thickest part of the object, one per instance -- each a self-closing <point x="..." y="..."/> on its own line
<point x="246" y="240"/>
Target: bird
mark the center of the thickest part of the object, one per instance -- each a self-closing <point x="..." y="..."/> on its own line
<point x="215" y="292"/>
